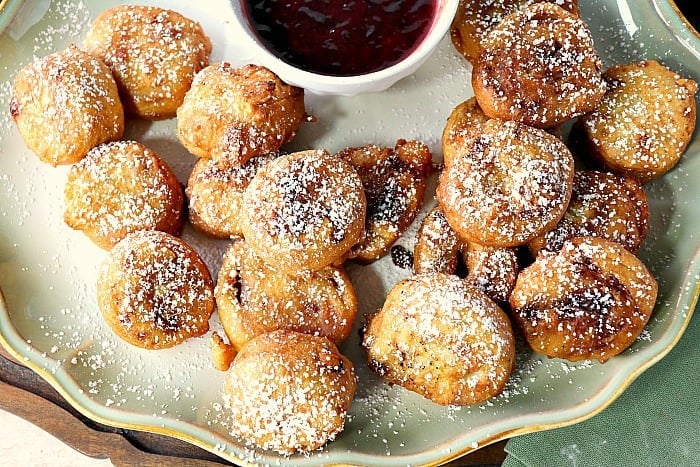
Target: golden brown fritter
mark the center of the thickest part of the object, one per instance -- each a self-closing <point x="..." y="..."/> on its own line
<point x="122" y="187"/>
<point x="289" y="392"/>
<point x="437" y="246"/>
<point x="438" y="249"/>
<point x="394" y="183"/>
<point x="475" y="18"/>
<point x="538" y="66"/>
<point x="304" y="211"/>
<point x="492" y="270"/>
<point x="464" y="123"/>
<point x="154" y="290"/>
<point x="153" y="53"/>
<point x="64" y="104"/>
<point x="643" y="124"/>
<point x="509" y="185"/>
<point x="222" y="353"/>
<point x="253" y="298"/>
<point x="602" y="205"/>
<point x="442" y="338"/>
<point x="248" y="110"/>
<point x="215" y="194"/>
<point x="590" y="300"/>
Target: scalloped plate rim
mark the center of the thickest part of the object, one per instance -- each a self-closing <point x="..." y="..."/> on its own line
<point x="199" y="436"/>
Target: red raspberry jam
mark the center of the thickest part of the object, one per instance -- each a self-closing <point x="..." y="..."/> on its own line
<point x="341" y="38"/>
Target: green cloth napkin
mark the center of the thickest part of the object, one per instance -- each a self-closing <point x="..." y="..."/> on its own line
<point x="656" y="421"/>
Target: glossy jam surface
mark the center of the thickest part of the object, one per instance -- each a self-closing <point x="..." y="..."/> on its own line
<point x="341" y="38"/>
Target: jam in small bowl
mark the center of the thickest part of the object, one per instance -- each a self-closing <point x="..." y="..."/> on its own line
<point x="343" y="47"/>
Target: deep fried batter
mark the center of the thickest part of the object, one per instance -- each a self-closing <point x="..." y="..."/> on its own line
<point x="154" y="290"/>
<point x="289" y="392"/>
<point x="602" y="205"/>
<point x="588" y="301"/>
<point x="464" y="122"/>
<point x="248" y="110"/>
<point x="304" y="211"/>
<point x="253" y="298"/>
<point x="538" y="66"/>
<point x="475" y="18"/>
<point x="394" y="184"/>
<point x="491" y="270"/>
<point x="122" y="187"/>
<point x="153" y="53"/>
<point x="509" y="185"/>
<point x="643" y="124"/>
<point x="64" y="104"/>
<point x="438" y="250"/>
<point x="215" y="194"/>
<point x="442" y="338"/>
<point x="437" y="246"/>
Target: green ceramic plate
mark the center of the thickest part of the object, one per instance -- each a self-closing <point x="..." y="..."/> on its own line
<point x="49" y="318"/>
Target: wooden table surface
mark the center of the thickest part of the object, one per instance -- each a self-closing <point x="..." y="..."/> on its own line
<point x="28" y="396"/>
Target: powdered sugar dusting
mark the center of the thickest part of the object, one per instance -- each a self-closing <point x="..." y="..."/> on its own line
<point x="638" y="135"/>
<point x="63" y="20"/>
<point x="437" y="245"/>
<point x="176" y="389"/>
<point x="286" y="401"/>
<point x="74" y="105"/>
<point x="394" y="184"/>
<point x="122" y="187"/>
<point x="153" y="54"/>
<point x="486" y="18"/>
<point x="299" y="215"/>
<point x="253" y="298"/>
<point x="306" y="208"/>
<point x="538" y="66"/>
<point x="590" y="300"/>
<point x="507" y="186"/>
<point x="215" y="194"/>
<point x="602" y="205"/>
<point x="154" y="290"/>
<point x="437" y="336"/>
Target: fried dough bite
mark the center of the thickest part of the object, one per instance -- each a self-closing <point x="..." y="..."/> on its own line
<point x="438" y="250"/>
<point x="252" y="298"/>
<point x="153" y="53"/>
<point x="304" y="211"/>
<point x="464" y="122"/>
<point x="394" y="183"/>
<point x="437" y="246"/>
<point x="602" y="205"/>
<point x="643" y="124"/>
<point x="289" y="392"/>
<point x="215" y="194"/>
<point x="475" y="18"/>
<point x="442" y="338"/>
<point x="249" y="110"/>
<point x="222" y="353"/>
<point x="491" y="270"/>
<point x="509" y="185"/>
<point x="154" y="290"/>
<point x="539" y="67"/>
<point x="590" y="300"/>
<point x="64" y="104"/>
<point x="122" y="187"/>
